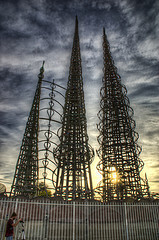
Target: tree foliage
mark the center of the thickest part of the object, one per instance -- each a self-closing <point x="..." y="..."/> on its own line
<point x="43" y="190"/>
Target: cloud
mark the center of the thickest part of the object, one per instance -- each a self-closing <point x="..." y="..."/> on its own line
<point x="145" y="90"/>
<point x="142" y="27"/>
<point x="155" y="166"/>
<point x="101" y="5"/>
<point x="149" y="48"/>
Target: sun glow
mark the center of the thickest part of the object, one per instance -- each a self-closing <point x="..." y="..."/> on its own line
<point x="113" y="174"/>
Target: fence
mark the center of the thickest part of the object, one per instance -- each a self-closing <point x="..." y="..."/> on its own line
<point x="44" y="219"/>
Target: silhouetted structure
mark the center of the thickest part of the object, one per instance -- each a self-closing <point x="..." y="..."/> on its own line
<point x="74" y="155"/>
<point x="49" y="121"/>
<point x="35" y="166"/>
<point x="67" y="166"/>
<point x="25" y="180"/>
<point x="120" y="164"/>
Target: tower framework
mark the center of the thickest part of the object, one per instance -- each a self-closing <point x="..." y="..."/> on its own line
<point x="49" y="121"/>
<point x="25" y="181"/>
<point x="119" y="164"/>
<point x="74" y="155"/>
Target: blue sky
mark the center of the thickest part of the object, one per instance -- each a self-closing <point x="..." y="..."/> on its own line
<point x="33" y="31"/>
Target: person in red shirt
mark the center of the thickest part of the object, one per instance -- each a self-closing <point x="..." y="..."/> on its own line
<point x="11" y="225"/>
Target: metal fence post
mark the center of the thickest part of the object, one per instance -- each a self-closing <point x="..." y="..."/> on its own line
<point x="87" y="223"/>
<point x="126" y="221"/>
<point x="73" y="220"/>
<point x="45" y="225"/>
<point x="16" y="205"/>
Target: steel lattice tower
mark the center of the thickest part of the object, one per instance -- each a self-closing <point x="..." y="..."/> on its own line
<point x="120" y="164"/>
<point x="74" y="155"/>
<point x="25" y="180"/>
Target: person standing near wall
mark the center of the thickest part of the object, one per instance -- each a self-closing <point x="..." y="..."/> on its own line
<point x="10" y="226"/>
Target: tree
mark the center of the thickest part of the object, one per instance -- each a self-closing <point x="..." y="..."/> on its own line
<point x="43" y="190"/>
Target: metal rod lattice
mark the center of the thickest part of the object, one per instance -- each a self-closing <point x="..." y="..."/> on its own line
<point x="74" y="154"/>
<point x="119" y="152"/>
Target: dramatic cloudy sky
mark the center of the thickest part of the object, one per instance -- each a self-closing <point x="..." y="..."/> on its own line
<point x="37" y="30"/>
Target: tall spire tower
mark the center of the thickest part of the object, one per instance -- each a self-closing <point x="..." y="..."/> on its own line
<point x="74" y="155"/>
<point x="119" y="164"/>
<point x="25" y="180"/>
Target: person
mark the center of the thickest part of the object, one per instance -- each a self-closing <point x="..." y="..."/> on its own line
<point x="10" y="225"/>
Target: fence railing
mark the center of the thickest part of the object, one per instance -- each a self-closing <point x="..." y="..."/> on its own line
<point x="44" y="219"/>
